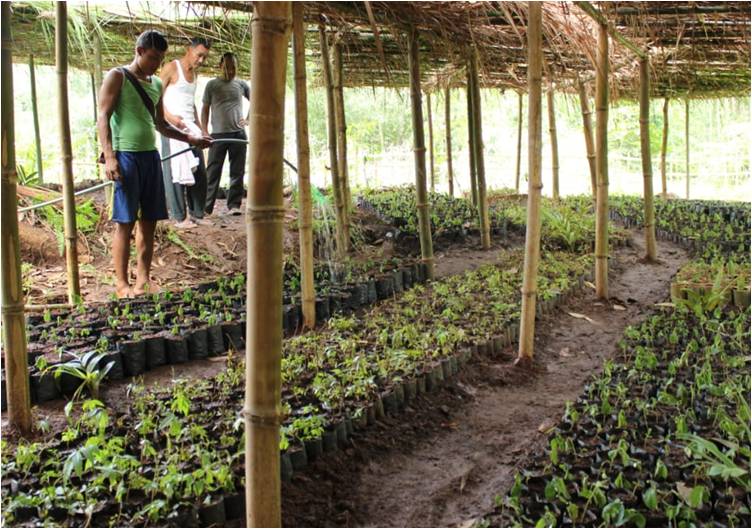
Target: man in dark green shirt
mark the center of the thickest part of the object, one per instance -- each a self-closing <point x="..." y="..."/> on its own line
<point x="223" y="97"/>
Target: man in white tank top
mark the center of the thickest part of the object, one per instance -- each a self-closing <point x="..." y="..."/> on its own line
<point x="179" y="79"/>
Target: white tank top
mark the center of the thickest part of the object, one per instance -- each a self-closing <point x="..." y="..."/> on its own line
<point x="180" y="97"/>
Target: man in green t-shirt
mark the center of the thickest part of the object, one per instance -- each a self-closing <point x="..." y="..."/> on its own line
<point x="127" y="134"/>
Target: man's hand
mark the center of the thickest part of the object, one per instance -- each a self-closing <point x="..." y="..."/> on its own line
<point x="202" y="142"/>
<point x="112" y="169"/>
<point x="243" y="122"/>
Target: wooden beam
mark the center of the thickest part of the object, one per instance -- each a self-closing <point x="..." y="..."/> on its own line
<point x="686" y="144"/>
<point x="341" y="124"/>
<point x="431" y="164"/>
<point x="596" y="15"/>
<point x="270" y="29"/>
<point x="35" y="117"/>
<point x="587" y="128"/>
<point x="471" y="141"/>
<point x="664" y="147"/>
<point x="480" y="166"/>
<point x="519" y="144"/>
<point x="601" y="165"/>
<point x="533" y="227"/>
<point x="448" y="127"/>
<point x="554" y="144"/>
<point x="14" y="324"/>
<point x="647" y="165"/>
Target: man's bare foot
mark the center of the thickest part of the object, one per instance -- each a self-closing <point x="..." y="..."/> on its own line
<point x="123" y="291"/>
<point x="145" y="288"/>
<point x="186" y="224"/>
<point x="202" y="222"/>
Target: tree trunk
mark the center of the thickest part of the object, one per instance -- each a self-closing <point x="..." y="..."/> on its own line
<point x="419" y="146"/>
<point x="686" y="137"/>
<point x="35" y="117"/>
<point x="430" y="142"/>
<point x="647" y="165"/>
<point x="519" y="144"/>
<point x="532" y="230"/>
<point x="471" y="141"/>
<point x="554" y="144"/>
<point x="601" y="159"/>
<point x="664" y="146"/>
<point x="14" y="324"/>
<point x="448" y="125"/>
<point x="480" y="167"/>
<point x="339" y="203"/>
<point x="270" y="29"/>
<point x="69" y="202"/>
<point x="341" y="123"/>
<point x="587" y="127"/>
<point x="305" y="208"/>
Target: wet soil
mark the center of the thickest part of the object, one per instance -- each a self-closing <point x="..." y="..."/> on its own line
<point x="443" y="461"/>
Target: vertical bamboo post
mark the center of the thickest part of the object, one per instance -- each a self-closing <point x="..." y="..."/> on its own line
<point x="601" y="164"/>
<point x="587" y="128"/>
<point x="471" y="140"/>
<point x="305" y="226"/>
<point x="430" y="142"/>
<point x="686" y="144"/>
<point x="341" y="125"/>
<point x="480" y="167"/>
<point x="35" y="117"/>
<point x="534" y="186"/>
<point x="419" y="146"/>
<point x="339" y="205"/>
<point x="519" y="144"/>
<point x="448" y="125"/>
<point x="554" y="143"/>
<point x="647" y="164"/>
<point x="69" y="202"/>
<point x="270" y="29"/>
<point x="14" y="324"/>
<point x="664" y="147"/>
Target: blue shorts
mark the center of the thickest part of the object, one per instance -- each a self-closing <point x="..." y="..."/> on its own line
<point x="140" y="188"/>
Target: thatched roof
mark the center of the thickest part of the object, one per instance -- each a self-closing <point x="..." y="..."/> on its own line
<point x="700" y="49"/>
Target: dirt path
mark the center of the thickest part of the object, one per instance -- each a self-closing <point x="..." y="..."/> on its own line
<point x="443" y="462"/>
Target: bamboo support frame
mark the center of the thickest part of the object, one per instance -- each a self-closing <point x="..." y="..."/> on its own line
<point x="471" y="141"/>
<point x="448" y="126"/>
<point x="601" y="164"/>
<point x="554" y="143"/>
<point x="664" y="148"/>
<point x="480" y="167"/>
<point x="14" y="324"/>
<point x="430" y="142"/>
<point x="35" y="117"/>
<point x="519" y="144"/>
<point x="341" y="125"/>
<point x="587" y="128"/>
<point x="647" y="166"/>
<point x="534" y="148"/>
<point x="332" y="139"/>
<point x="69" y="202"/>
<point x="305" y="225"/>
<point x="270" y="28"/>
<point x="686" y="145"/>
<point x="419" y="146"/>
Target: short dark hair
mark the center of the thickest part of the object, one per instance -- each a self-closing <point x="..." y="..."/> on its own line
<point x="226" y="55"/>
<point x="151" y="38"/>
<point x="200" y="41"/>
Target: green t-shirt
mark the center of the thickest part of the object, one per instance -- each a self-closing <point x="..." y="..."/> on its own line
<point x="132" y="127"/>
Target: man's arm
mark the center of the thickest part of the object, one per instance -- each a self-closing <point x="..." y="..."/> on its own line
<point x="167" y="130"/>
<point x="108" y="96"/>
<point x="166" y="75"/>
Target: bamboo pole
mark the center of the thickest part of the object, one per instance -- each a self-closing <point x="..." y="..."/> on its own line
<point x="419" y="146"/>
<point x="305" y="226"/>
<point x="686" y="144"/>
<point x="270" y="29"/>
<point x="35" y="117"/>
<point x="587" y="128"/>
<point x="519" y="144"/>
<point x="332" y="137"/>
<point x="430" y="142"/>
<point x="471" y="141"/>
<point x="664" y="147"/>
<point x="69" y="203"/>
<point x="480" y="167"/>
<point x="554" y="143"/>
<point x="647" y="165"/>
<point x="534" y="186"/>
<point x="448" y="125"/>
<point x="14" y="325"/>
<point x="341" y="125"/>
<point x="601" y="164"/>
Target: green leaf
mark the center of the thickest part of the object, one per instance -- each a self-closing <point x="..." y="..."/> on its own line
<point x="696" y="496"/>
<point x="650" y="498"/>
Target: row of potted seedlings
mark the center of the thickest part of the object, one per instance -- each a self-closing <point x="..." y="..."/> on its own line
<point x="175" y="457"/>
<point x="659" y="439"/>
<point x="728" y="281"/>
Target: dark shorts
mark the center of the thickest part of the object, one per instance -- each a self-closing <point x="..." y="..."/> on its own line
<point x="140" y="193"/>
